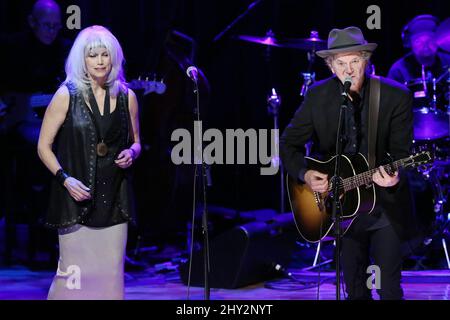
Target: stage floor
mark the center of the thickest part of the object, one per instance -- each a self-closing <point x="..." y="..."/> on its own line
<point x="19" y="283"/>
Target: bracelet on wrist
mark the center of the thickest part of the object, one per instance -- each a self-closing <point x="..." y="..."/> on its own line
<point x="133" y="153"/>
<point x="61" y="176"/>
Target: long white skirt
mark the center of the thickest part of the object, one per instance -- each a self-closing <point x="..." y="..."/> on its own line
<point x="91" y="263"/>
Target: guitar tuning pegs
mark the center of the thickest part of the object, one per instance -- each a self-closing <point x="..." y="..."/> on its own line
<point x="160" y="87"/>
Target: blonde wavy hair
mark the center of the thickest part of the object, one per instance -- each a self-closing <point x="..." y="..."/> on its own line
<point x="88" y="39"/>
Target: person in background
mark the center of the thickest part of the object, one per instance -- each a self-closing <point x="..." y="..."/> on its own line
<point x="425" y="58"/>
<point x="32" y="67"/>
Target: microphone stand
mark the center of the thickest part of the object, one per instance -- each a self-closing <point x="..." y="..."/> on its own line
<point x="206" y="180"/>
<point x="250" y="7"/>
<point x="336" y="182"/>
<point x="273" y="108"/>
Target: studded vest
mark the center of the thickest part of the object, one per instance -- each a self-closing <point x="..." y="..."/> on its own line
<point x="75" y="149"/>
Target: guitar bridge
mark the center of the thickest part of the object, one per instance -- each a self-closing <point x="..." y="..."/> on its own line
<point x="318" y="200"/>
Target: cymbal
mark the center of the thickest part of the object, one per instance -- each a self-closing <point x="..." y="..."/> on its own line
<point x="443" y="35"/>
<point x="311" y="43"/>
<point x="268" y="40"/>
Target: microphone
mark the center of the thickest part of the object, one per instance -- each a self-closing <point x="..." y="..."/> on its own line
<point x="192" y="73"/>
<point x="347" y="84"/>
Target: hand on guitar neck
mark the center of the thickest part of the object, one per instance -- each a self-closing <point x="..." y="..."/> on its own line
<point x="385" y="179"/>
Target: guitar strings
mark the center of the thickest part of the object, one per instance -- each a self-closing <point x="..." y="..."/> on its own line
<point x="365" y="177"/>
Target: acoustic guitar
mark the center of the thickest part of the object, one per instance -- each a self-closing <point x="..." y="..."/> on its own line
<point x="313" y="210"/>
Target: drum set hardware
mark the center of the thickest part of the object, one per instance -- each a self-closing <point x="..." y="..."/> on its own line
<point x="308" y="80"/>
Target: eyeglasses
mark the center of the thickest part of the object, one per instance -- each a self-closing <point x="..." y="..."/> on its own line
<point x="355" y="63"/>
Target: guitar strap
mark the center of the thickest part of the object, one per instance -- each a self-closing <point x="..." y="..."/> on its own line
<point x="374" y="106"/>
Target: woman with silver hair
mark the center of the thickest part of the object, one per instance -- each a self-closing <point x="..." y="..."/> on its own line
<point x="88" y="140"/>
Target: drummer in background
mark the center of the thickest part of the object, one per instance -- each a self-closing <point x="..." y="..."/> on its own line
<point x="419" y="36"/>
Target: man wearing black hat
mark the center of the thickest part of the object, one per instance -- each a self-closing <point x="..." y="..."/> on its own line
<point x="425" y="57"/>
<point x="382" y="231"/>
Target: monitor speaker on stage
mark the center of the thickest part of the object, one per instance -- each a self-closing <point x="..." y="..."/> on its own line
<point x="246" y="254"/>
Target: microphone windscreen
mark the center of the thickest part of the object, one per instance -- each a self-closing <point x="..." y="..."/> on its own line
<point x="348" y="79"/>
<point x="191" y="69"/>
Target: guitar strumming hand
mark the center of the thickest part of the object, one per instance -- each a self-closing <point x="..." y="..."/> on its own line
<point x="317" y="181"/>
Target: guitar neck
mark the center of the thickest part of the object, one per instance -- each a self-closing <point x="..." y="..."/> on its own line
<point x="365" y="178"/>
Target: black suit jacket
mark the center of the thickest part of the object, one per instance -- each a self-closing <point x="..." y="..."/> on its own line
<point x="317" y="120"/>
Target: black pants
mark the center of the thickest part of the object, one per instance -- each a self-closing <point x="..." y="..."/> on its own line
<point x="383" y="245"/>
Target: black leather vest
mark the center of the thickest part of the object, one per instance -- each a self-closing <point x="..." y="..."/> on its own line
<point x="75" y="149"/>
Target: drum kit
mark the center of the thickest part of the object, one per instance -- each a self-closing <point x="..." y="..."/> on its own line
<point x="431" y="110"/>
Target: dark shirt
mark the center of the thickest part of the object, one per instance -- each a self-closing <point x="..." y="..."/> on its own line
<point x="108" y="175"/>
<point x="354" y="142"/>
<point x="108" y="178"/>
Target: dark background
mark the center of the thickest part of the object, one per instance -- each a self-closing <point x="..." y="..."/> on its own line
<point x="240" y="74"/>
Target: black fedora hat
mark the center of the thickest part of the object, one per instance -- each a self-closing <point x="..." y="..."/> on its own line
<point x="346" y="40"/>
